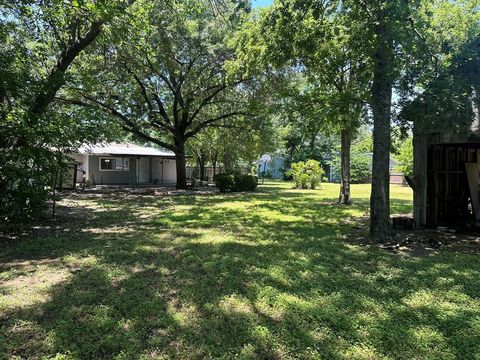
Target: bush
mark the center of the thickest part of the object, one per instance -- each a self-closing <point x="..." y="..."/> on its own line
<point x="245" y="182"/>
<point x="307" y="174"/>
<point x="27" y="175"/>
<point x="227" y="182"/>
<point x="224" y="182"/>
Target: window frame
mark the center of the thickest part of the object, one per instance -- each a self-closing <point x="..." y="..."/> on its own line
<point x="122" y="159"/>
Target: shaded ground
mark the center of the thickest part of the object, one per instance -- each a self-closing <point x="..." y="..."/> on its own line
<point x="425" y="241"/>
<point x="271" y="274"/>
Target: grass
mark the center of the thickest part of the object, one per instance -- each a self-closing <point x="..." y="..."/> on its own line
<point x="266" y="275"/>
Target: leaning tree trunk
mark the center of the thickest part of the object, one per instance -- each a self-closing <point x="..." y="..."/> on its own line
<point x="346" y="140"/>
<point x="380" y="226"/>
<point x="180" y="165"/>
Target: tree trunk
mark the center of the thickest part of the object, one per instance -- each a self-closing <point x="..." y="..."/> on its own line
<point x="214" y="163"/>
<point x="181" y="165"/>
<point x="380" y="226"/>
<point x="346" y="140"/>
<point x="227" y="163"/>
<point x="201" y="165"/>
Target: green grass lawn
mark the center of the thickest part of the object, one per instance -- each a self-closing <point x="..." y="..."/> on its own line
<point x="265" y="275"/>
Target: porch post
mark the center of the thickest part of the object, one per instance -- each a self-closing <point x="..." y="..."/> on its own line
<point x="150" y="180"/>
<point x="86" y="166"/>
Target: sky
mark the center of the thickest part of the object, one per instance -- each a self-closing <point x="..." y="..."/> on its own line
<point x="261" y="3"/>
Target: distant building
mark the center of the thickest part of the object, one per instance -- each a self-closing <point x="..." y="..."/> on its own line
<point x="395" y="176"/>
<point x="273" y="169"/>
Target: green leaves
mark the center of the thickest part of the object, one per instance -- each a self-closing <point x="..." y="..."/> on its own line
<point x="405" y="158"/>
<point x="42" y="41"/>
<point x="306" y="174"/>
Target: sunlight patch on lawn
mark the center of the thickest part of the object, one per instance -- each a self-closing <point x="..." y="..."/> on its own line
<point x="362" y="351"/>
<point x="30" y="289"/>
<point x="234" y="305"/>
<point x="185" y="315"/>
<point x="110" y="230"/>
<point x="446" y="303"/>
<point x="430" y="342"/>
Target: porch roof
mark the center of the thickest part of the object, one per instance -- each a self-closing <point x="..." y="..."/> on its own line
<point x="123" y="149"/>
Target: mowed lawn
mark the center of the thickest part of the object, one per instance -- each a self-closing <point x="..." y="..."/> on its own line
<point x="264" y="275"/>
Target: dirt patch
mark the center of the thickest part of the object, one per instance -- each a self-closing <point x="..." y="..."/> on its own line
<point x="28" y="265"/>
<point x="123" y="191"/>
<point x="426" y="242"/>
<point x="439" y="239"/>
<point x="423" y="242"/>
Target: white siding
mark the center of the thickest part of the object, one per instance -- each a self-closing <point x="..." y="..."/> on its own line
<point x="143" y="170"/>
<point x="166" y="174"/>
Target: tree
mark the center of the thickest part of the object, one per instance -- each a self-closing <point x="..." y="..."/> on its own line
<point x="201" y="146"/>
<point x="360" y="158"/>
<point x="40" y="42"/>
<point x="422" y="32"/>
<point x="343" y="73"/>
<point x="381" y="103"/>
<point x="162" y="74"/>
<point x="232" y="146"/>
<point x="314" y="39"/>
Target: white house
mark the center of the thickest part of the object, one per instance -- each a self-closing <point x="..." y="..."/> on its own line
<point x="125" y="163"/>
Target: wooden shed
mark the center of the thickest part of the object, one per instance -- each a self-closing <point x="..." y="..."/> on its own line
<point x="446" y="179"/>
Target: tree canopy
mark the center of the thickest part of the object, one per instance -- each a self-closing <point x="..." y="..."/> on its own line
<point x="41" y="41"/>
<point x="161" y="74"/>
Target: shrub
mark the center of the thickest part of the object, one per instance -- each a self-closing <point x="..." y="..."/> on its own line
<point x="245" y="182"/>
<point x="227" y="182"/>
<point x="307" y="174"/>
<point x="27" y="175"/>
<point x="224" y="182"/>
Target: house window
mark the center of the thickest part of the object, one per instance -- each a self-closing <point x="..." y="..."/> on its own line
<point x="114" y="164"/>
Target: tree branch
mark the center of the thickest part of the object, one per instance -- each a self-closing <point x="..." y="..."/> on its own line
<point x="206" y="123"/>
<point x="205" y="102"/>
<point x="127" y="125"/>
<point x="435" y="58"/>
<point x="142" y="87"/>
<point x="161" y="109"/>
<point x="56" y="78"/>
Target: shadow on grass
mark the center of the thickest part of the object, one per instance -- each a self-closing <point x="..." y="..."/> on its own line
<point x="259" y="275"/>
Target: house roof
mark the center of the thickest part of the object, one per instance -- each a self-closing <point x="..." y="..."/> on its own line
<point x="392" y="160"/>
<point x="123" y="149"/>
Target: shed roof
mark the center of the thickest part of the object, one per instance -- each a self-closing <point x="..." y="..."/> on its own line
<point x="123" y="149"/>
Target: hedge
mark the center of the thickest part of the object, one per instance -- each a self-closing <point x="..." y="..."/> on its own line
<point x="228" y="182"/>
